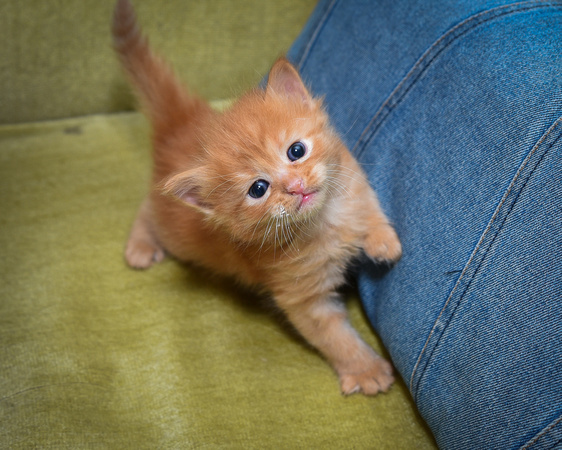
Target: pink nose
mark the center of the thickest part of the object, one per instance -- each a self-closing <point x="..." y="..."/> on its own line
<point x="296" y="187"/>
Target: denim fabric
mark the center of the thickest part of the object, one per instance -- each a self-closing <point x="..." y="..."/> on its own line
<point x="454" y="108"/>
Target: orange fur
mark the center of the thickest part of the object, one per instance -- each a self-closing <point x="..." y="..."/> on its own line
<point x="295" y="242"/>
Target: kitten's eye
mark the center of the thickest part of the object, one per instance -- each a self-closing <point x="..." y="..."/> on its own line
<point x="258" y="189"/>
<point x="296" y="151"/>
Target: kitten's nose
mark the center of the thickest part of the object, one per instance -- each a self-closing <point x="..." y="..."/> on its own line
<point x="296" y="187"/>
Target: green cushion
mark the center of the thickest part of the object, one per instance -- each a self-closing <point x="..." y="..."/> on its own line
<point x="97" y="355"/>
<point x="56" y="58"/>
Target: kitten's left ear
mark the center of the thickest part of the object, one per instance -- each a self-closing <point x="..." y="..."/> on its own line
<point x="285" y="80"/>
<point x="186" y="187"/>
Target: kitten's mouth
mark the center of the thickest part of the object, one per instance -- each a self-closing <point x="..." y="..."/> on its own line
<point x="306" y="200"/>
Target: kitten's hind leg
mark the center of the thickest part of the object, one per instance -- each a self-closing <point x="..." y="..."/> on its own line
<point x="143" y="249"/>
<point x="323" y="322"/>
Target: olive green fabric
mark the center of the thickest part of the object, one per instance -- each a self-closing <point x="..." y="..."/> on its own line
<point x="94" y="354"/>
<point x="56" y="59"/>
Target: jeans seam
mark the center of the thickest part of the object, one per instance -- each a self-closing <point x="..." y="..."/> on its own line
<point x="315" y="34"/>
<point x="431" y="54"/>
<point x="486" y="233"/>
<point x="543" y="433"/>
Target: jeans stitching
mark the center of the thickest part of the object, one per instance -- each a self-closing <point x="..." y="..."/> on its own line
<point x="431" y="54"/>
<point x="482" y="254"/>
<point x="413" y="75"/>
<point x="543" y="433"/>
<point x="314" y="37"/>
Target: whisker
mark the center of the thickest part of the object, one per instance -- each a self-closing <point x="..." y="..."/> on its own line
<point x="341" y="166"/>
<point x="299" y="226"/>
<point x="339" y="187"/>
<point x="351" y="127"/>
<point x="216" y="187"/>
<point x="353" y="178"/>
<point x="286" y="240"/>
<point x="275" y="238"/>
<point x="356" y="175"/>
<point x="255" y="229"/>
<point x="288" y="232"/>
<point x="266" y="234"/>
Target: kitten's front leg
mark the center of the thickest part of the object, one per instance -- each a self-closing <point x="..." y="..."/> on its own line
<point x="142" y="249"/>
<point x="381" y="243"/>
<point x="323" y="322"/>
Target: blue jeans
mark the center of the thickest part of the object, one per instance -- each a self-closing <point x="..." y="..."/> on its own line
<point x="454" y="108"/>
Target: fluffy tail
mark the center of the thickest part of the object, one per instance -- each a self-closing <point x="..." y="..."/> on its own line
<point x="162" y="97"/>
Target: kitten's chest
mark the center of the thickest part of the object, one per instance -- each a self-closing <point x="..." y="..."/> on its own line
<point x="331" y="247"/>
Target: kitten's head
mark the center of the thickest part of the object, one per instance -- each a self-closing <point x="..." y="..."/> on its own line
<point x="269" y="161"/>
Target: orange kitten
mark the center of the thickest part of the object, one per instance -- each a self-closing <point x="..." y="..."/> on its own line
<point x="265" y="192"/>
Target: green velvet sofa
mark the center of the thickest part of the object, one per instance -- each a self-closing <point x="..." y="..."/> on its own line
<point x="94" y="354"/>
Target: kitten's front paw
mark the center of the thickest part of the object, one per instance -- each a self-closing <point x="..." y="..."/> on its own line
<point x="374" y="379"/>
<point x="141" y="254"/>
<point x="382" y="244"/>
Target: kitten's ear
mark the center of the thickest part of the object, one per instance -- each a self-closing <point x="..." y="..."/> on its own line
<point x="285" y="80"/>
<point x="186" y="187"/>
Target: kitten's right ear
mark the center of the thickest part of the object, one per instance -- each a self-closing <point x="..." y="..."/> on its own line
<point x="186" y="187"/>
<point x="285" y="80"/>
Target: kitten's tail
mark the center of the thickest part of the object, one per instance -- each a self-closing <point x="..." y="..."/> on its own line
<point x="162" y="97"/>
